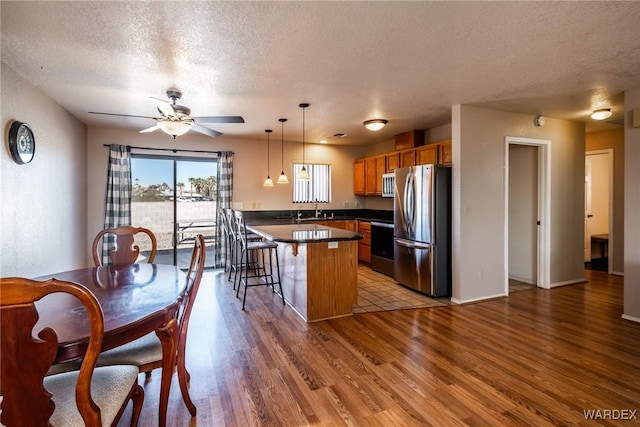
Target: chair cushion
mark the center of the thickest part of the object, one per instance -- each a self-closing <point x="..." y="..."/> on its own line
<point x="144" y="350"/>
<point x="110" y="387"/>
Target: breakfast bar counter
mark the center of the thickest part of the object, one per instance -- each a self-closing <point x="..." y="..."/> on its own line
<point x="318" y="267"/>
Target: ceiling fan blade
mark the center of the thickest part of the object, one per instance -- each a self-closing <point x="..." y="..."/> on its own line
<point x="165" y="107"/>
<point x="121" y="115"/>
<point x="151" y="129"/>
<point x="205" y="130"/>
<point x="220" y="119"/>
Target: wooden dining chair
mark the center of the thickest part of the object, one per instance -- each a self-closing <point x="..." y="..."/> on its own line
<point x="125" y="251"/>
<point x="146" y="352"/>
<point x="88" y="397"/>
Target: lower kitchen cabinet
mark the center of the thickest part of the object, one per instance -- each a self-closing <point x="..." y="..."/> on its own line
<point x="338" y="223"/>
<point x="364" y="245"/>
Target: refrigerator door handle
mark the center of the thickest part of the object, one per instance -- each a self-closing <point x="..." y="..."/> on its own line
<point x="409" y="203"/>
<point x="413" y="245"/>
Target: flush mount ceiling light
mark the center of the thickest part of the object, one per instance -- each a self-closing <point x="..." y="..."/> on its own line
<point x="601" y="114"/>
<point x="268" y="182"/>
<point x="282" y="179"/>
<point x="375" y="124"/>
<point x="303" y="175"/>
<point x="174" y="127"/>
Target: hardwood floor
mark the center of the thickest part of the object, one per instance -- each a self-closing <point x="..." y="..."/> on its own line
<point x="536" y="358"/>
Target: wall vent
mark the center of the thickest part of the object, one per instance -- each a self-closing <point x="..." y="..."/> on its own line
<point x="616" y="120"/>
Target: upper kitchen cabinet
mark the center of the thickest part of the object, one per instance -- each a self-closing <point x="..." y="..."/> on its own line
<point x="411" y="139"/>
<point x="359" y="177"/>
<point x="407" y="158"/>
<point x="427" y="154"/>
<point x="393" y="161"/>
<point x="444" y="153"/>
<point x="374" y="167"/>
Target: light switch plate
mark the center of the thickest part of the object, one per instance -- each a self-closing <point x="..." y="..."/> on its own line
<point x="333" y="245"/>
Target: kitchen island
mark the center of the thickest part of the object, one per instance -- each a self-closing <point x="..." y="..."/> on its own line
<point x="318" y="267"/>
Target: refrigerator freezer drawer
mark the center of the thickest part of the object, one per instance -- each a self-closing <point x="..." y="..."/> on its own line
<point x="413" y="265"/>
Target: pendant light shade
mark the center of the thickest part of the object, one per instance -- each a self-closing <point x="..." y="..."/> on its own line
<point x="268" y="182"/>
<point x="282" y="179"/>
<point x="303" y="175"/>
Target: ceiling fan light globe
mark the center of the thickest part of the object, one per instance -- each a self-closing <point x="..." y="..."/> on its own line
<point x="174" y="128"/>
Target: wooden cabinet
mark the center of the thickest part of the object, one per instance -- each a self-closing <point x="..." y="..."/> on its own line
<point x="392" y="161"/>
<point x="407" y="158"/>
<point x="367" y="172"/>
<point x="444" y="153"/>
<point x="359" y="177"/>
<point x="374" y="167"/>
<point x="410" y="139"/>
<point x="364" y="245"/>
<point x="427" y="155"/>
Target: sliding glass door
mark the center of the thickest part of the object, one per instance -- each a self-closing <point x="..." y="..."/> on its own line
<point x="175" y="198"/>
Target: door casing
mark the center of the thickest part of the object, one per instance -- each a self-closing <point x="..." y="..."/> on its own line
<point x="544" y="209"/>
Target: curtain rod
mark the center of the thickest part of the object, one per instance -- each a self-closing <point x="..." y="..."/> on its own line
<point x="173" y="150"/>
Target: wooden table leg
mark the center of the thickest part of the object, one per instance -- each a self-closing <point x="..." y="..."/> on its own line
<point x="168" y="336"/>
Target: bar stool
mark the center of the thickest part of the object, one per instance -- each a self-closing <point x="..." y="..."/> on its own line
<point x="227" y="236"/>
<point x="253" y="256"/>
<point x="235" y="244"/>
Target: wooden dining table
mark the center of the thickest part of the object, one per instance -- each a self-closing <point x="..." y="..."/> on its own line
<point x="136" y="299"/>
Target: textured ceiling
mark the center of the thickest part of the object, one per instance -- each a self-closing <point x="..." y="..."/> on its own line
<point x="407" y="62"/>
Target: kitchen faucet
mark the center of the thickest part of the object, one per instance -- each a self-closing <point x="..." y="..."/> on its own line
<point x="318" y="211"/>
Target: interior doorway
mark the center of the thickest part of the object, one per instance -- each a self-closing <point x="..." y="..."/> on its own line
<point x="598" y="210"/>
<point x="527" y="212"/>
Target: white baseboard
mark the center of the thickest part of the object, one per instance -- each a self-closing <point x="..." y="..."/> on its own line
<point x="567" y="282"/>
<point x="467" y="301"/>
<point x="617" y="273"/>
<point x="523" y="280"/>
<point x="632" y="318"/>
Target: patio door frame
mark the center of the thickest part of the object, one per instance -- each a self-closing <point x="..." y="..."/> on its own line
<point x="175" y="159"/>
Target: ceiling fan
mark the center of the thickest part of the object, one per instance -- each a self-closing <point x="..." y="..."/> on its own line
<point x="175" y="119"/>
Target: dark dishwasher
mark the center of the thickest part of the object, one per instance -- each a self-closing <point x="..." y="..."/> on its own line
<point x="382" y="247"/>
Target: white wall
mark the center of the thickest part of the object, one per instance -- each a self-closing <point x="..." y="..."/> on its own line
<point x="631" y="209"/>
<point x="43" y="203"/>
<point x="478" y="138"/>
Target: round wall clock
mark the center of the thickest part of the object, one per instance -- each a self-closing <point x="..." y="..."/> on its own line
<point x="22" y="144"/>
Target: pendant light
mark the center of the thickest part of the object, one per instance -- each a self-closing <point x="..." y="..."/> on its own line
<point x="303" y="175"/>
<point x="268" y="182"/>
<point x="282" y="179"/>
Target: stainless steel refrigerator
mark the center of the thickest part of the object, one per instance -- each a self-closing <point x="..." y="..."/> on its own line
<point x="422" y="228"/>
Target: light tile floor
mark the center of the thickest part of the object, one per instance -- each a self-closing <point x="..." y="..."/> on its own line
<point x="377" y="292"/>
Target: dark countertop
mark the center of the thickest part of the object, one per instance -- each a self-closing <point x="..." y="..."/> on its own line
<point x="302" y="233"/>
<point x="289" y="216"/>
